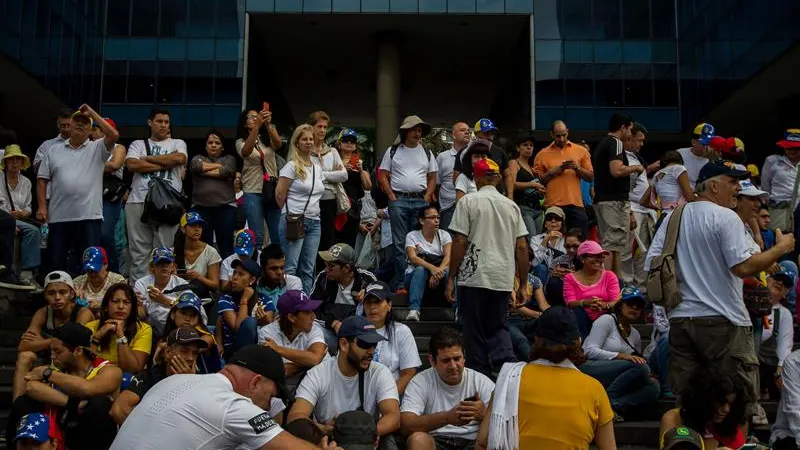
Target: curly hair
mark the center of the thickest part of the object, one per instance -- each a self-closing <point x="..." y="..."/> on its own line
<point x="131" y="322"/>
<point x="294" y="153"/>
<point x="706" y="391"/>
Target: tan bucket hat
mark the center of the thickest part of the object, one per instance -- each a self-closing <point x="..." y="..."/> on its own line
<point x="14" y="150"/>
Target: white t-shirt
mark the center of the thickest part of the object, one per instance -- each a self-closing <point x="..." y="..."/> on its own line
<point x="300" y="189"/>
<point x="409" y="168"/>
<point x="399" y="352"/>
<point x="329" y="176"/>
<point x="199" y="412"/>
<point x="225" y="269"/>
<point x="209" y="256"/>
<point x="435" y="248"/>
<point x="465" y="185"/>
<point x="301" y="342"/>
<point x="137" y="150"/>
<point x="785" y="337"/>
<point x="332" y="393"/>
<point x="444" y="178"/>
<point x="712" y="240"/>
<point x="156" y="312"/>
<point x="427" y="394"/>
<point x="665" y="183"/>
<point x="344" y="296"/>
<point x="605" y="343"/>
<point x="692" y="163"/>
<point x="639" y="185"/>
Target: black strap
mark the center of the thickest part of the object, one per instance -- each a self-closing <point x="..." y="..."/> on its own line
<point x="8" y="192"/>
<point x="361" y="390"/>
<point x="261" y="153"/>
<point x="313" y="183"/>
<point x="147" y="146"/>
<point x="625" y="338"/>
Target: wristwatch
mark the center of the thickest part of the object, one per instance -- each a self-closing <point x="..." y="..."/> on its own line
<point x="46" y="375"/>
<point x="122" y="341"/>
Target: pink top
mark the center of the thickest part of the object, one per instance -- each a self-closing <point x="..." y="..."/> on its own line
<point x="607" y="289"/>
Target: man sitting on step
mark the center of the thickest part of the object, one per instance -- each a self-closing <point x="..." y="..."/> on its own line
<point x="443" y="406"/>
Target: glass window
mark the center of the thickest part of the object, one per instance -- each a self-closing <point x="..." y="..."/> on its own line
<point x="199" y="82"/>
<point x="230" y="23"/>
<point x="546" y="116"/>
<point x="576" y="19"/>
<point x="261" y="6"/>
<point x="201" y="49"/>
<point x="666" y="92"/>
<point x="607" y="51"/>
<point x="546" y="50"/>
<point x="578" y="51"/>
<point x="637" y="51"/>
<point x="228" y="90"/>
<point x="577" y="71"/>
<point x="117" y="48"/>
<point x="146" y="14"/>
<point x="403" y="6"/>
<point x="606" y="19"/>
<point x="142" y="82"/>
<point x="170" y="82"/>
<point x="196" y="116"/>
<point x="170" y="48"/>
<point x="202" y="18"/>
<point x="227" y="49"/>
<point x="636" y="19"/>
<point x="375" y="6"/>
<point x="288" y="6"/>
<point x="13" y="12"/>
<point x="545" y="20"/>
<point x="664" y="51"/>
<point x="580" y="118"/>
<point x="226" y="116"/>
<point x="141" y="48"/>
<point x="549" y="93"/>
<point x="461" y="6"/>
<point x="658" y="119"/>
<point x="638" y="92"/>
<point x="174" y="18"/>
<point x="663" y="19"/>
<point x="579" y="92"/>
<point x="547" y="70"/>
<point x="608" y="93"/>
<point x="491" y="6"/>
<point x="323" y="6"/>
<point x="519" y="6"/>
<point x="346" y="6"/>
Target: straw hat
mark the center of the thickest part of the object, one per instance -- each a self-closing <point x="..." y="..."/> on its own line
<point x="12" y="151"/>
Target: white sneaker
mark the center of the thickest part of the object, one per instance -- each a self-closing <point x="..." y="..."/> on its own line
<point x="760" y="418"/>
<point x="413" y="315"/>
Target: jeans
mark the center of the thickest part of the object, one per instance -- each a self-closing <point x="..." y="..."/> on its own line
<point x="302" y="253"/>
<point x="332" y="341"/>
<point x="520" y="328"/>
<point x="72" y="238"/>
<point x="247" y="334"/>
<point x="403" y="218"/>
<point x="30" y="253"/>
<point x="542" y="272"/>
<point x="533" y="218"/>
<point x="627" y="384"/>
<point x="255" y="215"/>
<point x="584" y="322"/>
<point x="220" y="223"/>
<point x="576" y="218"/>
<point x="111" y="213"/>
<point x="445" y="217"/>
<point x="416" y="282"/>
<point x="659" y="363"/>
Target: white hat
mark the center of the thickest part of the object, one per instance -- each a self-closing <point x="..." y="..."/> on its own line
<point x="750" y="190"/>
<point x="58" y="276"/>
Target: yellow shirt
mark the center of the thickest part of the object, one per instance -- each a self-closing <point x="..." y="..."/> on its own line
<point x="560" y="408"/>
<point x="142" y="341"/>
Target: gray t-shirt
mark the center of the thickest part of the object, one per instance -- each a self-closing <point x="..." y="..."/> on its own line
<point x="76" y="181"/>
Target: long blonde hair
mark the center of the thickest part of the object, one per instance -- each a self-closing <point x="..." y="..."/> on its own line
<point x="294" y="154"/>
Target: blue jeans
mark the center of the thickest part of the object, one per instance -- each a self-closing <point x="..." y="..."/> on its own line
<point x="255" y="215"/>
<point x="403" y="217"/>
<point x="247" y="334"/>
<point x="111" y="213"/>
<point x="542" y="272"/>
<point x="220" y="223"/>
<point x="659" y="363"/>
<point x="445" y="217"/>
<point x="416" y="282"/>
<point x="302" y="253"/>
<point x="583" y="320"/>
<point x="30" y="253"/>
<point x="627" y="384"/>
<point x="533" y="218"/>
<point x="520" y="328"/>
<point x="68" y="240"/>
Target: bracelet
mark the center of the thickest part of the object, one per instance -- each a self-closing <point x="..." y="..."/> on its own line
<point x="95" y="342"/>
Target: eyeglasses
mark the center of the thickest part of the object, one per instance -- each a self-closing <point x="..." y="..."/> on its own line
<point x="332" y="264"/>
<point x="252" y="116"/>
<point x="568" y="247"/>
<point x="552" y="217"/>
<point x="433" y="217"/>
<point x="365" y="345"/>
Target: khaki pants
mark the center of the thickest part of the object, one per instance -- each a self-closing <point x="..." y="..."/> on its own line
<point x="143" y="238"/>
<point x="632" y="262"/>
<point x="779" y="218"/>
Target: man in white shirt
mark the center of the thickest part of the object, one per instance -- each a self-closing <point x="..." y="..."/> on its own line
<point x="408" y="178"/>
<point x="714" y="253"/>
<point x="786" y="430"/>
<point x="488" y="233"/>
<point x="74" y="169"/>
<point x="443" y="406"/>
<point x="64" y="123"/>
<point x="446" y="160"/>
<point x="349" y="382"/>
<point x="778" y="178"/>
<point x="226" y="410"/>
<point x="159" y="156"/>
<point x="696" y="156"/>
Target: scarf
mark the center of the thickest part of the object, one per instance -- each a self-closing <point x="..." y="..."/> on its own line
<point x="504" y="424"/>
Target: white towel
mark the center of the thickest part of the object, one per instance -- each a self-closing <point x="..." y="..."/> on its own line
<point x="504" y="424"/>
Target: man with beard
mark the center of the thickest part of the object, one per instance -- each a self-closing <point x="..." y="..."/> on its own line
<point x="349" y="382"/>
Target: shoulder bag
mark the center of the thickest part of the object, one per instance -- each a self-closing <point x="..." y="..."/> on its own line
<point x="662" y="280"/>
<point x="269" y="185"/>
<point x="163" y="203"/>
<point x="31" y="220"/>
<point x="295" y="226"/>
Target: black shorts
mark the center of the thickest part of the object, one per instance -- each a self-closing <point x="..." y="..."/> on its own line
<point x="453" y="443"/>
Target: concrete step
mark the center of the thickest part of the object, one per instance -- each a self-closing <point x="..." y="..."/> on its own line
<point x="15" y="323"/>
<point x="8" y="356"/>
<point x="438" y="314"/>
<point x="10" y="338"/>
<point x="6" y="375"/>
<point x="427" y="328"/>
<point x="637" y="433"/>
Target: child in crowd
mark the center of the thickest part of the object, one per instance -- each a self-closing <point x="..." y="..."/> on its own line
<point x="241" y="309"/>
<point x="244" y="247"/>
<point x="521" y="319"/>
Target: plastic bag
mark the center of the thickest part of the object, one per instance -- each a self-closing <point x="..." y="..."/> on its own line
<point x="368" y="255"/>
<point x="163" y="203"/>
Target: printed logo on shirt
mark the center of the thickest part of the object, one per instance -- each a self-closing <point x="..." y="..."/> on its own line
<point x="262" y="422"/>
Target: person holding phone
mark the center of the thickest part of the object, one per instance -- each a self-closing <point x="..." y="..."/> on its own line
<point x="358" y="182"/>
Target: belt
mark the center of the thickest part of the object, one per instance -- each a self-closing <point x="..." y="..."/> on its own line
<point x="399" y="194"/>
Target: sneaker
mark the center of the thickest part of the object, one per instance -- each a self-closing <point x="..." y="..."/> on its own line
<point x="31" y="280"/>
<point x="9" y="280"/>
<point x="760" y="418"/>
<point x="413" y="315"/>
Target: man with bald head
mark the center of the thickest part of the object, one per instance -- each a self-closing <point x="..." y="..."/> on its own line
<point x="226" y="410"/>
<point x="447" y="176"/>
<point x="561" y="166"/>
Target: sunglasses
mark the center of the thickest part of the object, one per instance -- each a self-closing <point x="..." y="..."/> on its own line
<point x="552" y="217"/>
<point x="365" y="345"/>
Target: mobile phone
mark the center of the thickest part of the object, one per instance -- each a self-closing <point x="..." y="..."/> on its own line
<point x="471" y="399"/>
<point x="265" y="107"/>
<point x="748" y="447"/>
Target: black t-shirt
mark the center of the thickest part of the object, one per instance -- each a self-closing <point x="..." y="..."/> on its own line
<point x="606" y="187"/>
<point x="144" y="380"/>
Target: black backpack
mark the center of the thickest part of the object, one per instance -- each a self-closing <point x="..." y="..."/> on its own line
<point x="380" y="197"/>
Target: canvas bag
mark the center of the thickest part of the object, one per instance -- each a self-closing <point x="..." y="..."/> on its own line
<point x="662" y="280"/>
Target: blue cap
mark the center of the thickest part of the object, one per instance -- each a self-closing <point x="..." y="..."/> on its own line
<point x="785" y="277"/>
<point x="244" y="244"/>
<point x="94" y="258"/>
<point x="484" y="126"/>
<point x="379" y="290"/>
<point x="632" y="294"/>
<point x="361" y="328"/>
<point x="347" y="133"/>
<point x="719" y="167"/>
<point x="704" y="133"/>
<point x="189" y="300"/>
<point x="248" y="265"/>
<point x="162" y="254"/>
<point x="34" y="426"/>
<point x="191" y="218"/>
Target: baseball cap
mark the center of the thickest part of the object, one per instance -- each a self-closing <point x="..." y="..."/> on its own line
<point x="34" y="426"/>
<point x="719" y="167"/>
<point x="265" y="362"/>
<point x="753" y="169"/>
<point x="355" y="430"/>
<point x="191" y="218"/>
<point x="244" y="243"/>
<point x="73" y="335"/>
<point x="249" y="265"/>
<point x="738" y="143"/>
<point x="189" y="299"/>
<point x="484" y="168"/>
<point x="589" y="247"/>
<point x="484" y="126"/>
<point x="704" y="132"/>
<point x="361" y="328"/>
<point x="185" y="335"/>
<point x="347" y="133"/>
<point x="555" y="210"/>
<point x="293" y="301"/>
<point x="681" y="435"/>
<point x="379" y="290"/>
<point x="557" y="325"/>
<point x="750" y="190"/>
<point x="342" y="253"/>
<point x="632" y="294"/>
<point x="791" y="139"/>
<point x="94" y="258"/>
<point x="59" y="276"/>
<point x="81" y="116"/>
<point x="162" y="254"/>
<point x="784" y="277"/>
<point x="724" y="145"/>
<point x="110" y="122"/>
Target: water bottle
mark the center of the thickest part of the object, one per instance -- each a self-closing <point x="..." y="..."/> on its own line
<point x="45" y="230"/>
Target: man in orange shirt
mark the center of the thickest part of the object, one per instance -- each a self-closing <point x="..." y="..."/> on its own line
<point x="561" y="166"/>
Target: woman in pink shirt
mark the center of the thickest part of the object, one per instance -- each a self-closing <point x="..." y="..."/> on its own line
<point x="592" y="290"/>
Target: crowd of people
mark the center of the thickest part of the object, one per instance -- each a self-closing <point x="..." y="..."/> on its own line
<point x="257" y="311"/>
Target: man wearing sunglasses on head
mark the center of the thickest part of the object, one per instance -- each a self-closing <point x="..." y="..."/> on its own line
<point x="351" y="381"/>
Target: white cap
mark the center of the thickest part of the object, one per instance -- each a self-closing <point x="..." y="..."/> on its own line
<point x="58" y="276"/>
<point x="750" y="190"/>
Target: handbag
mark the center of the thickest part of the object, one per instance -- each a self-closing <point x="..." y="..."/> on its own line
<point x="662" y="281"/>
<point x="432" y="259"/>
<point x="163" y="203"/>
<point x="756" y="298"/>
<point x="295" y="223"/>
<point x="342" y="200"/>
<point x="113" y="188"/>
<point x="269" y="185"/>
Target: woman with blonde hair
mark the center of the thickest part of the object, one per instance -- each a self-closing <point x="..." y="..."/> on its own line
<point x="298" y="195"/>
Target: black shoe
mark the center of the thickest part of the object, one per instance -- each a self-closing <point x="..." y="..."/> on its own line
<point x="9" y="280"/>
